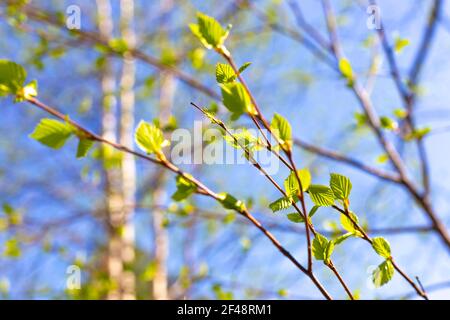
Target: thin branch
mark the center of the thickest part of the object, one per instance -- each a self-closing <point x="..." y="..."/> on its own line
<point x="202" y="189"/>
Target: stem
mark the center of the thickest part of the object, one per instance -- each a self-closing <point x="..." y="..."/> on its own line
<point x="291" y="165"/>
<point x="333" y="268"/>
<point x="202" y="189"/>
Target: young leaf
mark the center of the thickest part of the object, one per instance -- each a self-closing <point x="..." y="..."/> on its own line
<point x="400" y="44"/>
<point x="341" y="186"/>
<point x="313" y="211"/>
<point x="236" y="99"/>
<point x="118" y="45"/>
<point x="224" y="73"/>
<point x="12" y="248"/>
<point x="291" y="183"/>
<point x="150" y="138"/>
<point x="245" y="139"/>
<point x="322" y="196"/>
<point x="319" y="246"/>
<point x="230" y="202"/>
<point x="328" y="252"/>
<point x="295" y="217"/>
<point x="282" y="129"/>
<point x="84" y="145"/>
<point x="322" y="248"/>
<point x="52" y="133"/>
<point x="12" y="77"/>
<point x="417" y="134"/>
<point x="209" y="31"/>
<point x="348" y="224"/>
<point x="346" y="70"/>
<point x="184" y="188"/>
<point x="27" y="92"/>
<point x="280" y="204"/>
<point x="388" y="124"/>
<point x="382" y="247"/>
<point x="383" y="273"/>
<point x="400" y="113"/>
<point x="244" y="66"/>
<point x="342" y="238"/>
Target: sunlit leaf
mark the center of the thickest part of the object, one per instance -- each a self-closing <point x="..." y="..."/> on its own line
<point x="383" y="273"/>
<point x="224" y="73"/>
<point x="12" y="77"/>
<point x="321" y="195"/>
<point x="282" y="130"/>
<point x="382" y="247"/>
<point x="230" y="202"/>
<point x="236" y="99"/>
<point x="150" y="138"/>
<point x="295" y="217"/>
<point x="184" y="188"/>
<point x="209" y="31"/>
<point x="341" y="186"/>
<point x="52" y="133"/>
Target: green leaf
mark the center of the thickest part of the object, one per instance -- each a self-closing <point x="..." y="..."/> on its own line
<point x="361" y="119"/>
<point x="313" y="211"/>
<point x="348" y="225"/>
<point x="383" y="273"/>
<point x="236" y="99"/>
<point x="342" y="238"/>
<point x="224" y="73"/>
<point x="282" y="130"/>
<point x="12" y="77"/>
<point x="245" y="139"/>
<point x="282" y="203"/>
<point x="322" y="196"/>
<point x="118" y="45"/>
<point x="244" y="66"/>
<point x="52" y="133"/>
<point x="12" y="248"/>
<point x="319" y="246"/>
<point x="328" y="252"/>
<point x="322" y="248"/>
<point x="400" y="113"/>
<point x="383" y="158"/>
<point x="295" y="217"/>
<point x="388" y="124"/>
<point x="417" y="134"/>
<point x="230" y="202"/>
<point x="382" y="247"/>
<point x="84" y="145"/>
<point x="209" y="31"/>
<point x="341" y="186"/>
<point x="27" y="92"/>
<point x="400" y="44"/>
<point x="291" y="182"/>
<point x="346" y="70"/>
<point x="150" y="138"/>
<point x="184" y="189"/>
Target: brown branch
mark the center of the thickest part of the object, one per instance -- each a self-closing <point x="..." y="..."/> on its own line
<point x="202" y="189"/>
<point x="93" y="37"/>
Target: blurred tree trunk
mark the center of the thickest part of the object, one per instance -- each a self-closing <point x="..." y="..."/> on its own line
<point x="160" y="281"/>
<point x="114" y="196"/>
<point x="167" y="89"/>
<point x="128" y="168"/>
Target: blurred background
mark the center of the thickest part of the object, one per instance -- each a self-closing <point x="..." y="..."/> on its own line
<point x="110" y="218"/>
